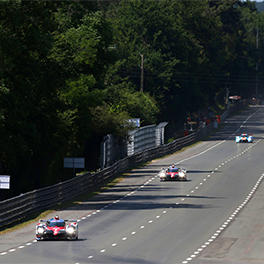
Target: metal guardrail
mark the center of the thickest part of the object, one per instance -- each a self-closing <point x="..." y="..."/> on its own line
<point x="18" y="208"/>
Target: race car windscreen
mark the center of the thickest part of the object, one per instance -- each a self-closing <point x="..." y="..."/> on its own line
<point x="58" y="224"/>
<point x="173" y="170"/>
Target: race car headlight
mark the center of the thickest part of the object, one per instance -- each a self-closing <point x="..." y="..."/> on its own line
<point x="181" y="174"/>
<point x="40" y="230"/>
<point x="70" y="230"/>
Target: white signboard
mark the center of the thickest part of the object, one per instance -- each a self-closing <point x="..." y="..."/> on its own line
<point x="74" y="163"/>
<point x="4" y="182"/>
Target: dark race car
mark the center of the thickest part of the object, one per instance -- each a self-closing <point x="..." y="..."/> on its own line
<point x="173" y="173"/>
<point x="55" y="228"/>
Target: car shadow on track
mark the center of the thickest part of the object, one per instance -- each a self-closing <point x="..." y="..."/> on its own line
<point x="143" y="202"/>
<point x="202" y="171"/>
<point x="62" y="240"/>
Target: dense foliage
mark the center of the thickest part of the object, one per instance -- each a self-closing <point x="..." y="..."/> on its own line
<point x="71" y="73"/>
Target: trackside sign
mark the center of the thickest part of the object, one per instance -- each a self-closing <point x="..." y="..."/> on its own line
<point x="4" y="182"/>
<point x="74" y="163"/>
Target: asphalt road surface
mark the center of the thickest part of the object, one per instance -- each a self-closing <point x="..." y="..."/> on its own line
<point x="211" y="218"/>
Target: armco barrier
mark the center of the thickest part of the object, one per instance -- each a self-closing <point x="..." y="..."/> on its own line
<point x="17" y="208"/>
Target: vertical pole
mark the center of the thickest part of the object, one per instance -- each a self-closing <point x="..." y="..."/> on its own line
<point x="257" y="45"/>
<point x="142" y="73"/>
<point x="73" y="167"/>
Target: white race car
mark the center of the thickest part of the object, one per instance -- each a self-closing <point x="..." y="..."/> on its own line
<point x="57" y="229"/>
<point x="173" y="173"/>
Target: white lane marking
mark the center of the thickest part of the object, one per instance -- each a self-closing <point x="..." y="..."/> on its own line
<point x="133" y="233"/>
<point x="158" y="216"/>
<point x="124" y="238"/>
<point x="114" y="244"/>
<point x="150" y="221"/>
<point x="102" y="250"/>
<point x="12" y="250"/>
<point x="142" y="227"/>
<point x="90" y="257"/>
<point x="226" y="223"/>
<point x="3" y="253"/>
<point x="21" y="246"/>
<point x="196" y="155"/>
<point x="28" y="244"/>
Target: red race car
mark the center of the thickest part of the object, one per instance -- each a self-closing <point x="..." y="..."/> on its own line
<point x="56" y="228"/>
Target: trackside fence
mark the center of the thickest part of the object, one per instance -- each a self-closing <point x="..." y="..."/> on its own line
<point x="18" y="208"/>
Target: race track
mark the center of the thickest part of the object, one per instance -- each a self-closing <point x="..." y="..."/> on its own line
<point x="144" y="221"/>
